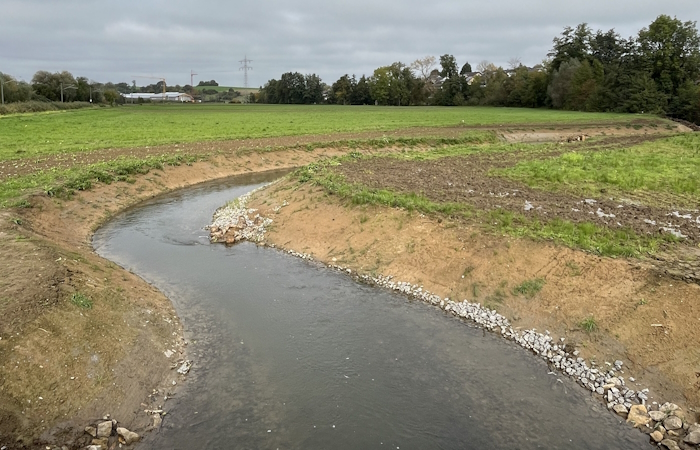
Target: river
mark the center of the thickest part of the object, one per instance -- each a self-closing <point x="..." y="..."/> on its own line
<point x="289" y="354"/>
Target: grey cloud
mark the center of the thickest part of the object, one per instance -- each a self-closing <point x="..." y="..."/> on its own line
<point x="111" y="41"/>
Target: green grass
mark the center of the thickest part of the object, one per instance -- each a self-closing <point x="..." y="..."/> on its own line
<point x="529" y="288"/>
<point x="81" y="300"/>
<point x="586" y="236"/>
<point x="33" y="135"/>
<point x="589" y="324"/>
<point x="669" y="166"/>
<point x="63" y="182"/>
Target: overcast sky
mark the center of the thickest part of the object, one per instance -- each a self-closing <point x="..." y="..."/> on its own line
<point x="107" y="40"/>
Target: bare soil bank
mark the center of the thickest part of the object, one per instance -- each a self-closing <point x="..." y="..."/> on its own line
<point x="645" y="317"/>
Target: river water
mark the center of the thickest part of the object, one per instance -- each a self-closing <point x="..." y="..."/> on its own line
<point x="291" y="355"/>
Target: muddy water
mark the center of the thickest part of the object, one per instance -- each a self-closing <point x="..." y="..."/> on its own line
<point x="289" y="354"/>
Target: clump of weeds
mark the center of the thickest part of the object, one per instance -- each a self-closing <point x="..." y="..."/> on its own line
<point x="529" y="288"/>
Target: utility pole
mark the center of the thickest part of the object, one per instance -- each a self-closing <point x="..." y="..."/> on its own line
<point x="245" y="68"/>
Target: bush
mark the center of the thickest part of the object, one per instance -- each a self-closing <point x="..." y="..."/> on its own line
<point x="34" y="106"/>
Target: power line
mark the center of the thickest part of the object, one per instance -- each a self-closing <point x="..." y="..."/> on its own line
<point x="245" y="68"/>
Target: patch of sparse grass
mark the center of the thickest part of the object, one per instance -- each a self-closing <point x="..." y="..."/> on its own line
<point x="585" y="236"/>
<point x="670" y="166"/>
<point x="62" y="183"/>
<point x="81" y="300"/>
<point x="364" y="218"/>
<point x="529" y="288"/>
<point x="589" y="324"/>
<point x="467" y="271"/>
<point x="495" y="299"/>
<point x="574" y="269"/>
<point x="321" y="174"/>
<point x="475" y="290"/>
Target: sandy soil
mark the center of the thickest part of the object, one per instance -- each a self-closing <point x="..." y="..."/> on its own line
<point x="62" y="366"/>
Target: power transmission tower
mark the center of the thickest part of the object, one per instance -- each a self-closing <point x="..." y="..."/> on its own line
<point x="245" y="68"/>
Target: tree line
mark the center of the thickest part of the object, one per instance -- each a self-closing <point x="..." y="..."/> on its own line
<point x="657" y="71"/>
<point x="63" y="86"/>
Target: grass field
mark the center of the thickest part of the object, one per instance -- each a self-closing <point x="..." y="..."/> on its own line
<point x="670" y="167"/>
<point x="33" y="135"/>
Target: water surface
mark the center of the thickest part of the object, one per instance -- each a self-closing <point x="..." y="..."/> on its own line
<point x="291" y="355"/>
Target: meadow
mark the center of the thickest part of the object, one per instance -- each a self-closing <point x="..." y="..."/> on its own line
<point x="33" y="135"/>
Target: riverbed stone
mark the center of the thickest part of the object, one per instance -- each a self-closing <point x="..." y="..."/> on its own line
<point x="670" y="444"/>
<point x="669" y="407"/>
<point x="92" y="431"/>
<point x="657" y="436"/>
<point x="694" y="427"/>
<point x="620" y="410"/>
<point x="693" y="438"/>
<point x="673" y="423"/>
<point x="129" y="436"/>
<point x="104" y="429"/>
<point x="638" y="416"/>
<point x="657" y="416"/>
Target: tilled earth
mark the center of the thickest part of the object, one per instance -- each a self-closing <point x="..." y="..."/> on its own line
<point x="465" y="179"/>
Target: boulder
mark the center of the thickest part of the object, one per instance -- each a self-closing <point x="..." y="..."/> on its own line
<point x="620" y="410"/>
<point x="694" y="427"/>
<point x="92" y="431"/>
<point x="657" y="416"/>
<point x="669" y="407"/>
<point x="104" y="429"/>
<point x="129" y="436"/>
<point x="657" y="436"/>
<point x="673" y="423"/>
<point x="670" y="444"/>
<point x="638" y="416"/>
<point x="693" y="438"/>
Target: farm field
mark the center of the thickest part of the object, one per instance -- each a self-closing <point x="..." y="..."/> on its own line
<point x="35" y="135"/>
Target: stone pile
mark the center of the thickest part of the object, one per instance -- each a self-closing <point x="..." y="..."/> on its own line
<point x="234" y="223"/>
<point x="106" y="434"/>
